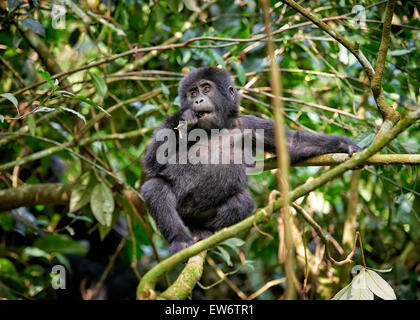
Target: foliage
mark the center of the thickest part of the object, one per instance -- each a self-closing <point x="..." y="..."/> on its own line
<point x="90" y="125"/>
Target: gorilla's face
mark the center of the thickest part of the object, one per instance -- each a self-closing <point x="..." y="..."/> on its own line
<point x="200" y="98"/>
<point x="210" y="94"/>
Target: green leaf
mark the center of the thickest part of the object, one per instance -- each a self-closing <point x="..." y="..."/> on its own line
<point x="364" y="139"/>
<point x="147" y="109"/>
<point x="225" y="255"/>
<point x="218" y="58"/>
<point x="401" y="52"/>
<point x="104" y="230"/>
<point x="175" y="5"/>
<point x="102" y="204"/>
<point x="240" y="72"/>
<point x="233" y="243"/>
<point x="250" y="264"/>
<point x="6" y="222"/>
<point x="31" y="124"/>
<point x="192" y="5"/>
<point x="149" y="32"/>
<point x="7" y="268"/>
<point x="47" y="77"/>
<point x="81" y="116"/>
<point x="82" y="218"/>
<point x="61" y="243"/>
<point x="99" y="84"/>
<point x="43" y="109"/>
<point x="35" y="253"/>
<point x="66" y="93"/>
<point x="165" y="90"/>
<point x="379" y="286"/>
<point x="34" y="25"/>
<point x="81" y="192"/>
<point x="381" y="270"/>
<point x="12" y="99"/>
<point x="93" y="104"/>
<point x="63" y="260"/>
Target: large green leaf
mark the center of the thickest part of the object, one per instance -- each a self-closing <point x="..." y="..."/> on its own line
<point x="31" y="124"/>
<point x="81" y="192"/>
<point x="102" y="204"/>
<point x="62" y="243"/>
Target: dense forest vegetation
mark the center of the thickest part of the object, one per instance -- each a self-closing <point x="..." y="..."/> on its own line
<point x="83" y="86"/>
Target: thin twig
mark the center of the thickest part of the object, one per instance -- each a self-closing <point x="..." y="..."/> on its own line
<point x="108" y="268"/>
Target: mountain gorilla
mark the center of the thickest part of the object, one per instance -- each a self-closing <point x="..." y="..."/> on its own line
<point x="208" y="197"/>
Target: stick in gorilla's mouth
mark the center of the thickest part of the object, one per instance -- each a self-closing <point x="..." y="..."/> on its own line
<point x="202" y="114"/>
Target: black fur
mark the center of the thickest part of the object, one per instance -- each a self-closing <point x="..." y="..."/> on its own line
<point x="208" y="197"/>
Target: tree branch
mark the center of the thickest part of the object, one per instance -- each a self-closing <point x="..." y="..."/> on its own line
<point x="326" y="239"/>
<point x="389" y="115"/>
<point x="31" y="195"/>
<point x="333" y="159"/>
<point x="16" y="197"/>
<point x="187" y="280"/>
<point x="353" y="48"/>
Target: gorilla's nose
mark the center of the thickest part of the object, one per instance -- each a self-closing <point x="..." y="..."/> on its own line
<point x="198" y="101"/>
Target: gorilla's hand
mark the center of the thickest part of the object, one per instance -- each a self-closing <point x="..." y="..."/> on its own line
<point x="200" y="234"/>
<point x="190" y="117"/>
<point x="179" y="245"/>
<point x="348" y="146"/>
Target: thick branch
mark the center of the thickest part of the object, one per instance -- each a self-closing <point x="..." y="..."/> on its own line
<point x="31" y="195"/>
<point x="333" y="159"/>
<point x="9" y="198"/>
<point x="389" y="115"/>
<point x="383" y="48"/>
<point x="187" y="280"/>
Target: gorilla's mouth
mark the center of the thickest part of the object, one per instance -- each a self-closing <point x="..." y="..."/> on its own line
<point x="202" y="114"/>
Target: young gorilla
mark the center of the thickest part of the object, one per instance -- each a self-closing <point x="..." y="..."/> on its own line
<point x="208" y="197"/>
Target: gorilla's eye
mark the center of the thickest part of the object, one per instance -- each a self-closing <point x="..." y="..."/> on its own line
<point x="206" y="88"/>
<point x="193" y="93"/>
<point x="232" y="92"/>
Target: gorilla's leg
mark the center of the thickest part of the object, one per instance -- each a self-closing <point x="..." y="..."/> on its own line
<point x="235" y="209"/>
<point x="161" y="202"/>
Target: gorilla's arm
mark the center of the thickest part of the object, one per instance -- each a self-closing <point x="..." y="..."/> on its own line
<point x="301" y="145"/>
<point x="150" y="165"/>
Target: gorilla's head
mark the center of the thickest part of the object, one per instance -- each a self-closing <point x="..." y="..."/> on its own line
<point x="211" y="94"/>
